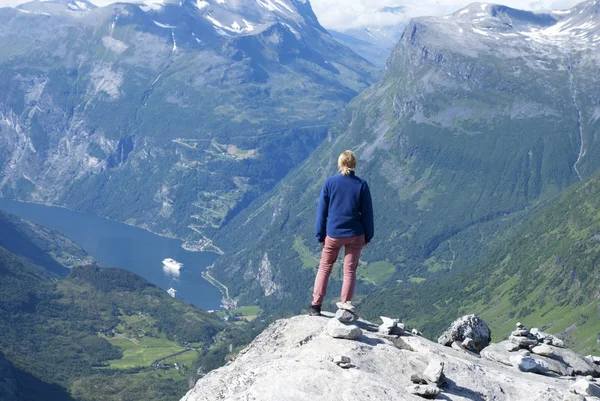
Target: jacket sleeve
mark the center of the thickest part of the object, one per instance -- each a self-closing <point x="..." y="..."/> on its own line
<point x="322" y="212"/>
<point x="366" y="213"/>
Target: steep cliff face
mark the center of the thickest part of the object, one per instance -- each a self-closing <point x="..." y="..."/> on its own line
<point x="480" y="115"/>
<point x="167" y="115"/>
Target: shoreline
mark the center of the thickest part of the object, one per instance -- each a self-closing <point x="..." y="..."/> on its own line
<point x="184" y="243"/>
<point x="227" y="302"/>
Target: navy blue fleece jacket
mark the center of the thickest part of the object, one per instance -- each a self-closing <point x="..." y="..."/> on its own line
<point x="345" y="208"/>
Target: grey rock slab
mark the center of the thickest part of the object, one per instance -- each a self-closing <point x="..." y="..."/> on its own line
<point x="274" y="367"/>
<point x="345" y="316"/>
<point x="499" y="353"/>
<point x="511" y="347"/>
<point x="585" y="388"/>
<point x="341" y="359"/>
<point x="579" y="364"/>
<point x="544" y="350"/>
<point x="434" y="371"/>
<point x="528" y="364"/>
<point x="424" y="390"/>
<point x="523" y="342"/>
<point x="471" y="326"/>
<point x="337" y="329"/>
<point x="520" y="333"/>
<point x="388" y="322"/>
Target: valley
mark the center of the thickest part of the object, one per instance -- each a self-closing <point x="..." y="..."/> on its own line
<point x="162" y="162"/>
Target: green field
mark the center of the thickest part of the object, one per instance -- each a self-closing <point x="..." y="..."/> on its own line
<point x="249" y="313"/>
<point x="309" y="260"/>
<point x="376" y="272"/>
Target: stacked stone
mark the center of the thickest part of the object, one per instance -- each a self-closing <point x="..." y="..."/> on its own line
<point x="427" y="384"/>
<point x="547" y="339"/>
<point x="521" y="338"/>
<point x="390" y="326"/>
<point x="343" y="362"/>
<point x="340" y="325"/>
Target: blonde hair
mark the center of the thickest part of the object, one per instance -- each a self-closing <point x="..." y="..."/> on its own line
<point x="347" y="162"/>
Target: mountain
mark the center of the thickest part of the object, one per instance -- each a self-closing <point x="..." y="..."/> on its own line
<point x="374" y="42"/>
<point x="295" y="359"/>
<point x="166" y="115"/>
<point x="41" y="245"/>
<point x="98" y="333"/>
<point x="480" y="116"/>
<point x="545" y="273"/>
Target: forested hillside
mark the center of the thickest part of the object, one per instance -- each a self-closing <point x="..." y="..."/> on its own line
<point x="546" y="274"/>
<point x="98" y="333"/>
<point x="480" y="117"/>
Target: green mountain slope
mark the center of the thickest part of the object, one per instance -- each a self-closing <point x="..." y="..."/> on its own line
<point x="544" y="275"/>
<point x="157" y="115"/>
<point x="98" y="333"/>
<point x="465" y="133"/>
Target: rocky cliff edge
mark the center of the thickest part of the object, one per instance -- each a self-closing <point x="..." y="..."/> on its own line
<point x="296" y="359"/>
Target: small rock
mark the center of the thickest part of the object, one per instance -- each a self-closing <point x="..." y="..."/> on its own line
<point x="389" y="322"/>
<point x="520" y="333"/>
<point x="424" y="390"/>
<point x="520" y="325"/>
<point x="589" y="378"/>
<point x="511" y="347"/>
<point x="593" y="359"/>
<point x="416" y="332"/>
<point x="341" y="359"/>
<point x="469" y="344"/>
<point x="585" y="388"/>
<point x="337" y="329"/>
<point x="471" y="326"/>
<point x="434" y="372"/>
<point x="544" y="350"/>
<point x="523" y="342"/>
<point x="401" y="326"/>
<point x="459" y="347"/>
<point x="417" y="379"/>
<point x="528" y="364"/>
<point x="344" y="316"/>
<point x="345" y="365"/>
<point x="346" y="306"/>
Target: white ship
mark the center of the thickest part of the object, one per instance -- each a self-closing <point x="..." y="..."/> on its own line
<point x="172" y="267"/>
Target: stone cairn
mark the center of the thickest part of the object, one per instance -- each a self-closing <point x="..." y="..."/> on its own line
<point x="542" y="353"/>
<point x="427" y="383"/>
<point x="522" y="338"/>
<point x="340" y="326"/>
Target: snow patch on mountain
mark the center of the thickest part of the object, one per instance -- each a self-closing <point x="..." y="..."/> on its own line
<point x="164" y="25"/>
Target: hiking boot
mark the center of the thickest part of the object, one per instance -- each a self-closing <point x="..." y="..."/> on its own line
<point x="346" y="306"/>
<point x="314" y="310"/>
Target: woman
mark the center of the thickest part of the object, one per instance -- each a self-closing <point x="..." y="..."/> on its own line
<point x="344" y="218"/>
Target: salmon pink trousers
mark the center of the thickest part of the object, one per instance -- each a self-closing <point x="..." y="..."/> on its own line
<point x="353" y="247"/>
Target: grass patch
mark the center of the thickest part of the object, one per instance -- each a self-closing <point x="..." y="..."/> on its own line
<point x="309" y="260"/>
<point x="249" y="312"/>
<point x="376" y="272"/>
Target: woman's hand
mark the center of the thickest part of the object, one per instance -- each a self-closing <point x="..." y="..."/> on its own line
<point x="322" y="243"/>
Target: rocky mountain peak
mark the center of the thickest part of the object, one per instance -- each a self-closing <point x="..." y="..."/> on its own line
<point x="504" y="32"/>
<point x="302" y="357"/>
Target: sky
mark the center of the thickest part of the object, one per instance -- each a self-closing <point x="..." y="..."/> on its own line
<point x="346" y="14"/>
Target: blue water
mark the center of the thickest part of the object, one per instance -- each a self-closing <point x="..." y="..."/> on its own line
<point x="119" y="245"/>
